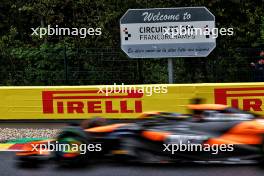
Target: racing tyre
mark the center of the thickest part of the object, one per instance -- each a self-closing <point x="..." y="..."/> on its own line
<point x="69" y="151"/>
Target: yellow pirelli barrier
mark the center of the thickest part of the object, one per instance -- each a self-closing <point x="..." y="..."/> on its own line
<point x="119" y="101"/>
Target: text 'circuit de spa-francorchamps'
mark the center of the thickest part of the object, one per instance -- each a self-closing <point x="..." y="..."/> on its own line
<point x="131" y="88"/>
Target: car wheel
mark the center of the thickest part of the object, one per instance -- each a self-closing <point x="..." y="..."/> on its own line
<point x="68" y="151"/>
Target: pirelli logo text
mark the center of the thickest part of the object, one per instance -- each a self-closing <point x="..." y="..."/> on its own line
<point x="248" y="99"/>
<point x="90" y="101"/>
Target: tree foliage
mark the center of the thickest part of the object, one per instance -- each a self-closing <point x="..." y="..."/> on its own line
<point x="28" y="60"/>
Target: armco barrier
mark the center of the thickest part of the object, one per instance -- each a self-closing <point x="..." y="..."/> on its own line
<point x="80" y="102"/>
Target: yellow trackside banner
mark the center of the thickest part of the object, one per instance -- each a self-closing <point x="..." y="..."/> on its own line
<point x="119" y="101"/>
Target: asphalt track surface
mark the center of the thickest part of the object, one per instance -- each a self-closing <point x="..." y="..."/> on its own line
<point x="10" y="167"/>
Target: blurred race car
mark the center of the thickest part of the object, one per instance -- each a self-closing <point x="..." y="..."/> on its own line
<point x="211" y="134"/>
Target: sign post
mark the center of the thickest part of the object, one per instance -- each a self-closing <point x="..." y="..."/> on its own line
<point x="170" y="70"/>
<point x="158" y="33"/>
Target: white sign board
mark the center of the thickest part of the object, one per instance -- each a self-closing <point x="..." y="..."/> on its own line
<point x="147" y="33"/>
